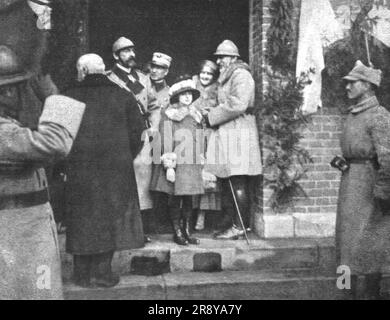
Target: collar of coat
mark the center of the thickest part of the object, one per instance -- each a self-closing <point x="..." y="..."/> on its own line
<point x="226" y="75"/>
<point x="364" y="105"/>
<point x="176" y="113"/>
<point x="95" y="80"/>
<point x="158" y="86"/>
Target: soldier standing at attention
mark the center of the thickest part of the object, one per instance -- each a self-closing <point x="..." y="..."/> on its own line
<point x="363" y="220"/>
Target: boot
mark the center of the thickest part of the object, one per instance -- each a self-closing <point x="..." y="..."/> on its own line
<point x="82" y="271"/>
<point x="187" y="227"/>
<point x="178" y="236"/>
<point x="104" y="277"/>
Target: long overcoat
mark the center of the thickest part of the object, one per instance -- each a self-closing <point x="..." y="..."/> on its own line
<point x="362" y="231"/>
<point x="102" y="202"/>
<point x="234" y="147"/>
<point x="30" y="266"/>
<point x="143" y="162"/>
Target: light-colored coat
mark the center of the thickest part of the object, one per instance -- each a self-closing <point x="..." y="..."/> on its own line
<point x="362" y="232"/>
<point x="234" y="147"/>
<point x="30" y="265"/>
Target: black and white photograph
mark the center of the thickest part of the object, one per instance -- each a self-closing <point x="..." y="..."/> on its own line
<point x="204" y="151"/>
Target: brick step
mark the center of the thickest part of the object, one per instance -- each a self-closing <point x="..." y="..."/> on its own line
<point x="163" y="256"/>
<point x="226" y="285"/>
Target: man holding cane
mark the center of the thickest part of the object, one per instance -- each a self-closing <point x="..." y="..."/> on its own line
<point x="233" y="152"/>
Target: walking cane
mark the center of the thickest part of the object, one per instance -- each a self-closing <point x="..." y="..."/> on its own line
<point x="238" y="212"/>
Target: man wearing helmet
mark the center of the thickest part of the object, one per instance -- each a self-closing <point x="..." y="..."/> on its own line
<point x="138" y="84"/>
<point x="30" y="265"/>
<point x="233" y="152"/>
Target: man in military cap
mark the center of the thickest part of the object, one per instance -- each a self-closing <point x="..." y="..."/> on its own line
<point x="363" y="211"/>
<point x="159" y="69"/>
<point x="30" y="265"/>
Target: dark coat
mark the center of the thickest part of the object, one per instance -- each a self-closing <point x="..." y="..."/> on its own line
<point x="183" y="137"/>
<point x="362" y="231"/>
<point x="102" y="201"/>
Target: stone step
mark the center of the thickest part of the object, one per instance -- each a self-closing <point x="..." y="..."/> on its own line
<point x="226" y="285"/>
<point x="163" y="256"/>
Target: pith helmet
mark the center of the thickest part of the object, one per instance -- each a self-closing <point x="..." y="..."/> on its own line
<point x="122" y="43"/>
<point x="362" y="72"/>
<point x="227" y="48"/>
<point x="11" y="70"/>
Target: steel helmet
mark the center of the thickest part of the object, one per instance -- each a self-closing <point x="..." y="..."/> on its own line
<point x="11" y="70"/>
<point x="122" y="43"/>
<point x="227" y="48"/>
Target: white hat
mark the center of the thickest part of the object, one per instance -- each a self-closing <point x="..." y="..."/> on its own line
<point x="122" y="43"/>
<point x="183" y="84"/>
<point x="161" y="59"/>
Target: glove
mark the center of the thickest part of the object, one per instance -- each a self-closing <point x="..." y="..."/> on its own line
<point x="171" y="175"/>
<point x="384" y="206"/>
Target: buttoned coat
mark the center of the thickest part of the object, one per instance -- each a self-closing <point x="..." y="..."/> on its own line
<point x="234" y="147"/>
<point x="30" y="265"/>
<point x="183" y="137"/>
<point x="362" y="232"/>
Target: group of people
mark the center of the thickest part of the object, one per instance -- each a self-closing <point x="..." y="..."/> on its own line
<point x="132" y="143"/>
<point x="143" y="145"/>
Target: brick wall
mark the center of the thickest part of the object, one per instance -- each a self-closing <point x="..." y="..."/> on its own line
<point x="313" y="216"/>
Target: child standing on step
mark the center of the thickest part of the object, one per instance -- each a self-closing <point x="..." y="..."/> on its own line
<point x="180" y="172"/>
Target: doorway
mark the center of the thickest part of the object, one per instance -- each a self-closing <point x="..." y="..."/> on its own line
<point x="187" y="30"/>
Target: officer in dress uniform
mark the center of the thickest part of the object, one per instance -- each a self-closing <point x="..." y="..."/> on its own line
<point x="126" y="76"/>
<point x="30" y="265"/>
<point x="159" y="69"/>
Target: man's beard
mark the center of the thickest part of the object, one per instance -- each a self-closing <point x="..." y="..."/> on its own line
<point x="131" y="63"/>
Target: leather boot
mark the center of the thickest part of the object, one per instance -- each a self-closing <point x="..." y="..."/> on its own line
<point x="104" y="277"/>
<point x="187" y="227"/>
<point x="178" y="236"/>
<point x="82" y="270"/>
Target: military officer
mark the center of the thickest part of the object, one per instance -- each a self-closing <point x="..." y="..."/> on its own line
<point x="126" y="76"/>
<point x="30" y="265"/>
<point x="159" y="69"/>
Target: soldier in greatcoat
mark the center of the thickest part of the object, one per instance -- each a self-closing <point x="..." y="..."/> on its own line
<point x="363" y="220"/>
<point x="30" y="265"/>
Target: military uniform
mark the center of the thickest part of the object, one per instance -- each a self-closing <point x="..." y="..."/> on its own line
<point x="30" y="265"/>
<point x="141" y="88"/>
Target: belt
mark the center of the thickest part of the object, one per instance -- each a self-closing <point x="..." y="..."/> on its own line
<point x="24" y="200"/>
<point x="374" y="161"/>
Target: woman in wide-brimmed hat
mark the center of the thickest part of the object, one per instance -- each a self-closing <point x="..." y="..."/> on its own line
<point x="180" y="172"/>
